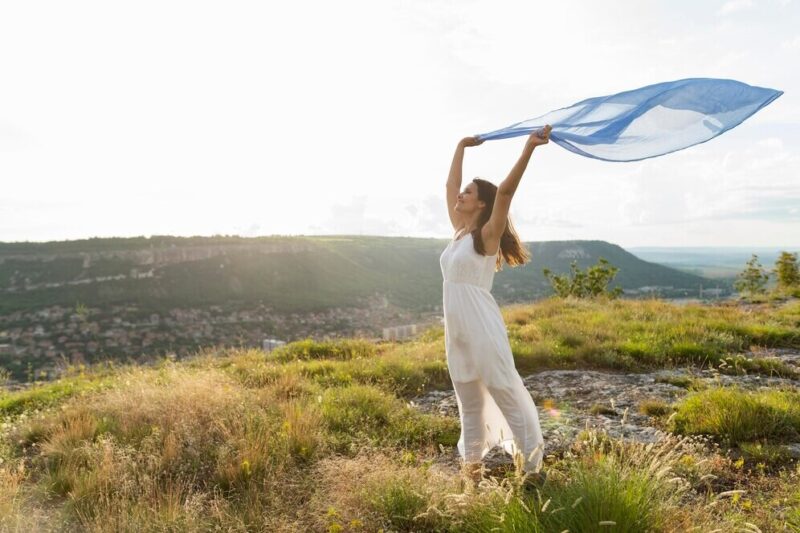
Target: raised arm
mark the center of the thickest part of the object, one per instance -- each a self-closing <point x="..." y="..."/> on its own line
<point x="494" y="229"/>
<point x="454" y="185"/>
<point x="454" y="179"/>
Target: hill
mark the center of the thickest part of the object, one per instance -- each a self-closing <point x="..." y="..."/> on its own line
<point x="131" y="299"/>
<point x="291" y="274"/>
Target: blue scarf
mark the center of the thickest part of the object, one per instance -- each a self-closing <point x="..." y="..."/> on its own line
<point x="649" y="121"/>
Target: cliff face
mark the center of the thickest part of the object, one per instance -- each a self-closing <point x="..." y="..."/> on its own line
<point x="160" y="256"/>
<point x="37" y="270"/>
<point x="298" y="273"/>
<point x="573" y="253"/>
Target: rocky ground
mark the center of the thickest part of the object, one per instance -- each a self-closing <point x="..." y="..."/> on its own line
<point x="565" y="399"/>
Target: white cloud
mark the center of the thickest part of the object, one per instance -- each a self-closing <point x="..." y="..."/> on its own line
<point x="14" y="139"/>
<point x="735" y="5"/>
<point x="262" y="118"/>
<point x="792" y="44"/>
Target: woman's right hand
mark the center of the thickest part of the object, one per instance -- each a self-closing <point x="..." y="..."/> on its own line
<point x="470" y="141"/>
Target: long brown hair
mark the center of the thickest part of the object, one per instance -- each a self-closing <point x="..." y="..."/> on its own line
<point x="511" y="248"/>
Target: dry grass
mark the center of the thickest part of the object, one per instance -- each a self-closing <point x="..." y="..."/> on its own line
<point x="353" y="491"/>
<point x="234" y="441"/>
<point x="20" y="508"/>
<point x="177" y="447"/>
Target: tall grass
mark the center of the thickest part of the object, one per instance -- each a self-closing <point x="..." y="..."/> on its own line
<point x="335" y="349"/>
<point x="735" y="415"/>
<point x="153" y="450"/>
<point x="604" y="484"/>
<point x="321" y="437"/>
<point x="638" y="334"/>
<point x="43" y="395"/>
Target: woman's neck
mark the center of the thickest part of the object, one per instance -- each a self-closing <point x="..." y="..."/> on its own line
<point x="472" y="225"/>
<point x="473" y="228"/>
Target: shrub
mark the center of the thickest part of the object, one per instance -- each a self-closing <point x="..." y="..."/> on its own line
<point x="601" y="409"/>
<point x="589" y="284"/>
<point x="786" y="271"/>
<point x="736" y="416"/>
<point x="753" y="279"/>
<point x="654" y="407"/>
<point x="337" y="349"/>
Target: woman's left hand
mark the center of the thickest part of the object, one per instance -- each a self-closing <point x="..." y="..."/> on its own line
<point x="471" y="141"/>
<point x="540" y="137"/>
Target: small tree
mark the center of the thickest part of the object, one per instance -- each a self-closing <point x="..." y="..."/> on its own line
<point x="753" y="279"/>
<point x="786" y="271"/>
<point x="81" y="310"/>
<point x="589" y="284"/>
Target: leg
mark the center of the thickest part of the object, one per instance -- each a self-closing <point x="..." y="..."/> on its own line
<point x="470" y="403"/>
<point x="473" y="471"/>
<point x="520" y="412"/>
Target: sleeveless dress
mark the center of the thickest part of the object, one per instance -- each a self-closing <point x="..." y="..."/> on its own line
<point x="478" y="351"/>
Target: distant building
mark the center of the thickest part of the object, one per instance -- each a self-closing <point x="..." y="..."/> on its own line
<point x="711" y="293"/>
<point x="270" y="344"/>
<point x="398" y="333"/>
<point x="655" y="288"/>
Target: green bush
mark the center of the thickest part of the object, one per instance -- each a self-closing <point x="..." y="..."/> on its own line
<point x="770" y="455"/>
<point x="654" y="407"/>
<point x="601" y="409"/>
<point x="753" y="279"/>
<point x="45" y="395"/>
<point x="610" y="496"/>
<point x="399" y="501"/>
<point x="683" y="381"/>
<point x="363" y="411"/>
<point x="793" y="515"/>
<point x="337" y="349"/>
<point x="737" y="416"/>
<point x="589" y="284"/>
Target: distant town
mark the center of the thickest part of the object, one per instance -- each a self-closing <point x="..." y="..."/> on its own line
<point x="136" y="300"/>
<point x="43" y="341"/>
<point x="37" y="345"/>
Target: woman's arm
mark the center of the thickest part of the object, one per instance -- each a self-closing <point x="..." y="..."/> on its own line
<point x="454" y="179"/>
<point x="494" y="229"/>
<point x="537" y="138"/>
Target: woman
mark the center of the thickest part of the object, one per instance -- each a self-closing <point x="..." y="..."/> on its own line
<point x="493" y="404"/>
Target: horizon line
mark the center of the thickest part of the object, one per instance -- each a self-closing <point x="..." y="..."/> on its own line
<point x="352" y="235"/>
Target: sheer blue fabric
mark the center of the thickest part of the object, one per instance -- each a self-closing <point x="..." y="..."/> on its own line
<point x="649" y="121"/>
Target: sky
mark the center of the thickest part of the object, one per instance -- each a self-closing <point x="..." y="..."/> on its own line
<point x="317" y="118"/>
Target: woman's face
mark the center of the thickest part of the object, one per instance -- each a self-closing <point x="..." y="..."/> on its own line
<point x="468" y="199"/>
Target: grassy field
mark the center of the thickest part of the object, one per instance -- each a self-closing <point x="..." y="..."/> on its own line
<point x="320" y="436"/>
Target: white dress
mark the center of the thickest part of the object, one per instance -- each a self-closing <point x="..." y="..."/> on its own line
<point x="479" y="355"/>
